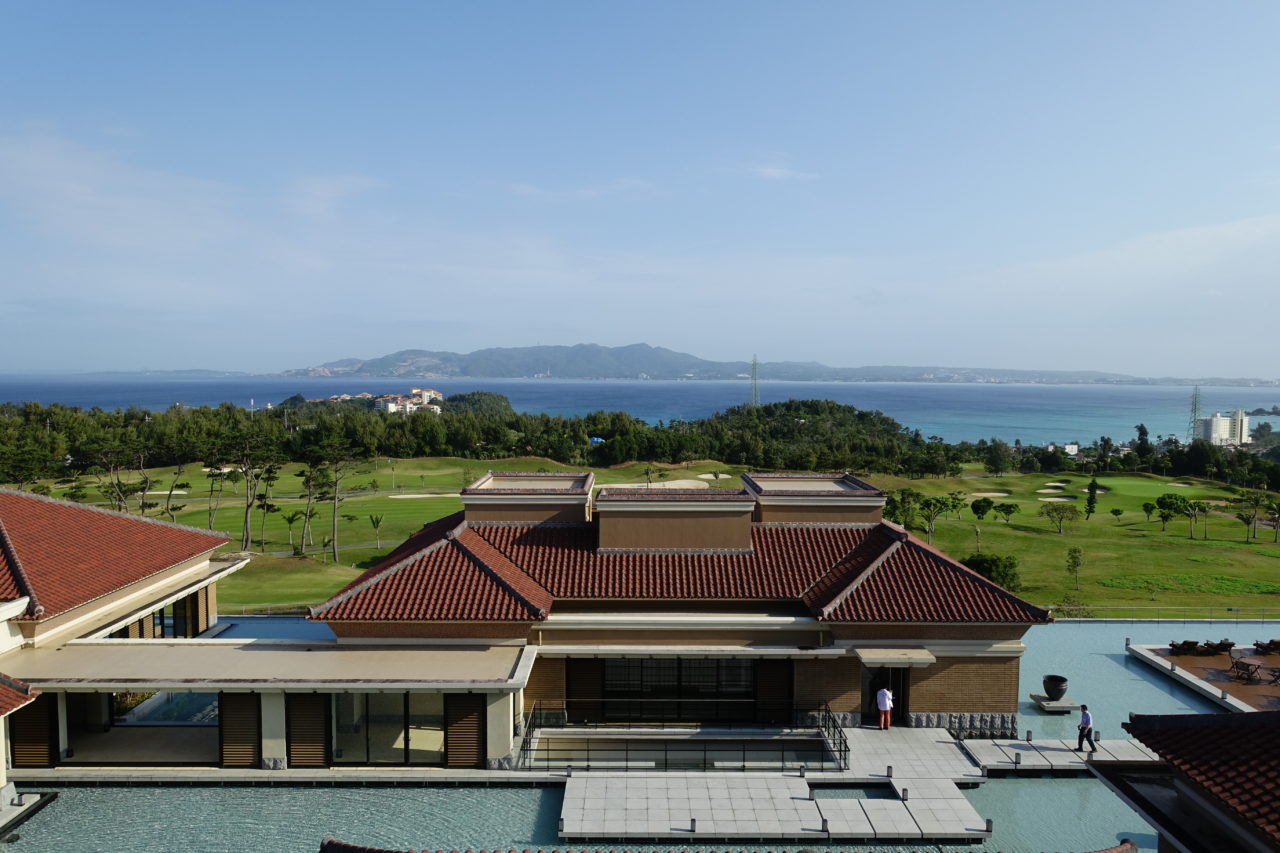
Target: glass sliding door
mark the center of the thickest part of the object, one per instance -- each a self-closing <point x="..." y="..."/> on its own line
<point x="388" y="728"/>
<point x="387" y="743"/>
<point x="426" y="728"/>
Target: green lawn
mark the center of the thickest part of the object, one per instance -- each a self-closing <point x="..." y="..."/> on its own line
<point x="1130" y="564"/>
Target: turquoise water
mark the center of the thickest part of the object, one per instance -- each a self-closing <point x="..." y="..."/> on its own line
<point x="1035" y="414"/>
<point x="1030" y="814"/>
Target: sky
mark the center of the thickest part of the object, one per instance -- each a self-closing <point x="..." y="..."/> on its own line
<point x="262" y="186"/>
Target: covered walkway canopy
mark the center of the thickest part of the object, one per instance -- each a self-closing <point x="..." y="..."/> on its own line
<point x="123" y="665"/>
<point x="894" y="657"/>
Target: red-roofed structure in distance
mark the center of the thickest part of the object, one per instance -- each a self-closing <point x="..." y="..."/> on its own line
<point x="1217" y="787"/>
<point x="789" y="596"/>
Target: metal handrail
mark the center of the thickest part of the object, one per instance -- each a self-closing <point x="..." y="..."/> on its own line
<point x="830" y="753"/>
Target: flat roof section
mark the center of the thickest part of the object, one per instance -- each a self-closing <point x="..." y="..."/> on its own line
<point x="501" y="482"/>
<point x="809" y="484"/>
<point x="220" y="665"/>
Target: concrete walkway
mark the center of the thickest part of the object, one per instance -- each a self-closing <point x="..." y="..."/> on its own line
<point x="920" y="800"/>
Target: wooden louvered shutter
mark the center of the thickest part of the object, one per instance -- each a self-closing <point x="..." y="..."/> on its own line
<point x="307" y="729"/>
<point x="33" y="732"/>
<point x="584" y="690"/>
<point x="202" y="610"/>
<point x="240" y="729"/>
<point x="464" y="729"/>
<point x="773" y="691"/>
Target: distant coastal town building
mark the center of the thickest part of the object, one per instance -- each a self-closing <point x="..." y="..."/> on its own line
<point x="417" y="398"/>
<point x="1224" y="430"/>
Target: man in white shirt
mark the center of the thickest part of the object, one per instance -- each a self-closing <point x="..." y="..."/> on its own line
<point x="1086" y="730"/>
<point x="884" y="702"/>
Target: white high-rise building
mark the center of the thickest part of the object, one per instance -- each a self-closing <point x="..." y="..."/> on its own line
<point x="1224" y="430"/>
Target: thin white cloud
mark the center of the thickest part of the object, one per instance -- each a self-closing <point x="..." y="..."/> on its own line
<point x="321" y="195"/>
<point x="778" y="172"/>
<point x="616" y="187"/>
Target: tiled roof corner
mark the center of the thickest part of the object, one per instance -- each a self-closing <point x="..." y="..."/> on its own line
<point x="1234" y="759"/>
<point x="14" y="694"/>
<point x="64" y="555"/>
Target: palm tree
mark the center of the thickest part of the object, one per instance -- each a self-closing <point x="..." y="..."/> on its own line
<point x="292" y="518"/>
<point x="376" y="522"/>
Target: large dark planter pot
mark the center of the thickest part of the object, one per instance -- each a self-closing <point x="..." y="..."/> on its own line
<point x="1055" y="687"/>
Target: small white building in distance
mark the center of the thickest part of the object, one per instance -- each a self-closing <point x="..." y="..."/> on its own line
<point x="417" y="398"/>
<point x="1224" y="430"/>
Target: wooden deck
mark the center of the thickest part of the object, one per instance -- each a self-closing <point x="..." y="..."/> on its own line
<point x="1216" y="670"/>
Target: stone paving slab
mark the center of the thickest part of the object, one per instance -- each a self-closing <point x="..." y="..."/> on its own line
<point x="926" y="789"/>
<point x="1061" y="754"/>
<point x="988" y="754"/>
<point x="1031" y="757"/>
<point x="1124" y="750"/>
<point x="913" y="753"/>
<point x="948" y="819"/>
<point x="891" y="819"/>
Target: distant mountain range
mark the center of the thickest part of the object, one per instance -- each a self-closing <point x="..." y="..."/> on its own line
<point x="641" y="361"/>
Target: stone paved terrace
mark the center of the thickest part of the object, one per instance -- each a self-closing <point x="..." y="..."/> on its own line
<point x="696" y="806"/>
<point x="1210" y="675"/>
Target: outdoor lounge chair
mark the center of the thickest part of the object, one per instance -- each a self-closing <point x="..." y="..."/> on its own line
<point x="1267" y="648"/>
<point x="1185" y="647"/>
<point x="1220" y="647"/>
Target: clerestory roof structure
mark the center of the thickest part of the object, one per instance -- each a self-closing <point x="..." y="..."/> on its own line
<point x="60" y="555"/>
<point x="455" y="570"/>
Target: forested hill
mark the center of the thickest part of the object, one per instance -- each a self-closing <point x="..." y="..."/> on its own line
<point x="641" y="361"/>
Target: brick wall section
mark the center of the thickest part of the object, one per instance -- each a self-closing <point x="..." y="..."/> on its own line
<point x="960" y="685"/>
<point x="546" y="682"/>
<point x="837" y="682"/>
<point x="928" y="632"/>
<point x="432" y="630"/>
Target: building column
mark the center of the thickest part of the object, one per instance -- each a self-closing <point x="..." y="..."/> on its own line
<point x="64" y="737"/>
<point x="274" y="732"/>
<point x="499" y="726"/>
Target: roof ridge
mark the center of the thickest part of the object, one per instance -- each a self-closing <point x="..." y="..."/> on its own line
<point x="172" y="525"/>
<point x="896" y="540"/>
<point x="499" y="578"/>
<point x="387" y="572"/>
<point x="15" y="564"/>
<point x="955" y="565"/>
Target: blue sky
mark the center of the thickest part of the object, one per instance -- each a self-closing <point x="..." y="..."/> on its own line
<point x="259" y="186"/>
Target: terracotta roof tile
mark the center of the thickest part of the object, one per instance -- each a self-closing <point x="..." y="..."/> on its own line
<point x="1233" y="758"/>
<point x="65" y="554"/>
<point x="917" y="583"/>
<point x="516" y="571"/>
<point x="14" y="694"/>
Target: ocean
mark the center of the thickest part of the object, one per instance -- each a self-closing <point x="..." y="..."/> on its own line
<point x="1033" y="414"/>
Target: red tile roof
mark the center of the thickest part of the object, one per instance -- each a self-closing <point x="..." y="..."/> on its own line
<point x="1233" y="758"/>
<point x="504" y="571"/>
<point x="14" y="694"/>
<point x="64" y="554"/>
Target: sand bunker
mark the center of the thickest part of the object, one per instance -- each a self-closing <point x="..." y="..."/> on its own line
<point x="713" y="476"/>
<point x="166" y="491"/>
<point x="400" y="497"/>
<point x="1047" y="491"/>
<point x="1059" y="483"/>
<point x="1101" y="490"/>
<point x="661" y="484"/>
<point x="1181" y="485"/>
<point x="990" y="494"/>
<point x="1060" y="499"/>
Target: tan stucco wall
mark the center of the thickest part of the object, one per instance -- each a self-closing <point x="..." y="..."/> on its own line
<point x="274" y="731"/>
<point x="928" y="632"/>
<point x="673" y="637"/>
<point x="823" y="513"/>
<point x="966" y="685"/>
<point x="431" y="630"/>
<point x="675" y="530"/>
<point x="499" y="725"/>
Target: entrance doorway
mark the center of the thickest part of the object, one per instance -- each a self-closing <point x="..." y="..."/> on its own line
<point x="898" y="680"/>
